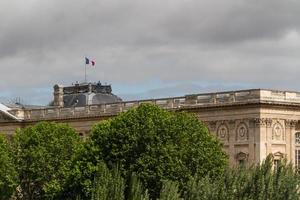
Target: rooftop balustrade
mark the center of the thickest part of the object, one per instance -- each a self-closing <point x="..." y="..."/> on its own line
<point x="184" y="102"/>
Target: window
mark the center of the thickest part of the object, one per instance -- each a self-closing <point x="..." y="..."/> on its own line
<point x="297" y="160"/>
<point x="297" y="151"/>
<point x="297" y="138"/>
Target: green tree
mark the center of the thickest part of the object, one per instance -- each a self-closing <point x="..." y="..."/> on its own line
<point x="169" y="191"/>
<point x="108" y="184"/>
<point x="262" y="181"/>
<point x="155" y="144"/>
<point x="44" y="154"/>
<point x="8" y="173"/>
<point x="136" y="190"/>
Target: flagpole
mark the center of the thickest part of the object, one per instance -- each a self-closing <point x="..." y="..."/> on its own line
<point x="85" y="73"/>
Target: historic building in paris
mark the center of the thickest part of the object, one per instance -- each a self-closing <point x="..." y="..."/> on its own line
<point x="250" y="123"/>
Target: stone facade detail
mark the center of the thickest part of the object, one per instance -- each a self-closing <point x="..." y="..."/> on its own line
<point x="290" y="123"/>
<point x="263" y="122"/>
<point x="212" y="125"/>
<point x="251" y="124"/>
<point x="278" y="132"/>
<point x="242" y="132"/>
<point x="223" y="132"/>
<point x="242" y="156"/>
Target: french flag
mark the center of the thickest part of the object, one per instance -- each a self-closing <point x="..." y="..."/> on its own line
<point x="88" y="61"/>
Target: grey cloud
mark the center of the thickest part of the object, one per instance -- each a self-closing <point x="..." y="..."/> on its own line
<point x="233" y="21"/>
<point x="254" y="42"/>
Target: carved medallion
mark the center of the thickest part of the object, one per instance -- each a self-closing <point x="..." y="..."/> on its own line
<point x="223" y="132"/>
<point x="242" y="132"/>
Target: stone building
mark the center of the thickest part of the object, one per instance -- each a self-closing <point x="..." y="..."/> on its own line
<point x="250" y="123"/>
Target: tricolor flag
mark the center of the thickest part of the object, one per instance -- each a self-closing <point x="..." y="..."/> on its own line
<point x="87" y="61"/>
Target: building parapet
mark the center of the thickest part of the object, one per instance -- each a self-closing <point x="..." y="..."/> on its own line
<point x="189" y="101"/>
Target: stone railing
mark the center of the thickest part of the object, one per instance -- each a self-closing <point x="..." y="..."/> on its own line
<point x="188" y="101"/>
<point x="280" y="96"/>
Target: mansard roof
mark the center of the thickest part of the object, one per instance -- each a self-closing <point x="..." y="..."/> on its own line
<point x="83" y="94"/>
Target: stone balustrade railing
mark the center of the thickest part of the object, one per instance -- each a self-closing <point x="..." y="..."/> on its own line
<point x="188" y="101"/>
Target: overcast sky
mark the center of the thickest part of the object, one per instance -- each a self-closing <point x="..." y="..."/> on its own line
<point x="148" y="48"/>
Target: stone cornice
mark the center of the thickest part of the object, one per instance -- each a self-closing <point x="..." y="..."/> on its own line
<point x="234" y="99"/>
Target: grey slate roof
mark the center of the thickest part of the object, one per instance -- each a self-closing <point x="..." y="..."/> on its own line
<point x="83" y="94"/>
<point x="80" y="100"/>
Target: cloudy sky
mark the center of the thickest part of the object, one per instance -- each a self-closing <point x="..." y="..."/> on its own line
<point x="148" y="48"/>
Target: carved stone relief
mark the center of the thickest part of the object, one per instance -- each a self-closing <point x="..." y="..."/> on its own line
<point x="278" y="132"/>
<point x="242" y="132"/>
<point x="212" y="126"/>
<point x="289" y="123"/>
<point x="242" y="156"/>
<point x="223" y="132"/>
<point x="263" y="122"/>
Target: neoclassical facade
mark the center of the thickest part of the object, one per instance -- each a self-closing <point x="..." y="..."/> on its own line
<point x="250" y="123"/>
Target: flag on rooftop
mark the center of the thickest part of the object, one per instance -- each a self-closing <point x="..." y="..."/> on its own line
<point x="88" y="61"/>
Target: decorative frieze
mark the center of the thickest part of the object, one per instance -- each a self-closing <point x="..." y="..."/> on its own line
<point x="290" y="123"/>
<point x="263" y="122"/>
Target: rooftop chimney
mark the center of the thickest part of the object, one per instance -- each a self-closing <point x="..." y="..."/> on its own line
<point x="58" y="96"/>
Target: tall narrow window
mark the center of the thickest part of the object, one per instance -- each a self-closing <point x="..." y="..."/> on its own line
<point x="297" y="151"/>
<point x="297" y="138"/>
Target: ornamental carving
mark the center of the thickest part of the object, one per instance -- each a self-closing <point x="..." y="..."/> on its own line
<point x="242" y="132"/>
<point x="242" y="156"/>
<point x="222" y="132"/>
<point x="212" y="126"/>
<point x="263" y="122"/>
<point x="278" y="132"/>
<point x="278" y="155"/>
<point x="289" y="123"/>
<point x="268" y="122"/>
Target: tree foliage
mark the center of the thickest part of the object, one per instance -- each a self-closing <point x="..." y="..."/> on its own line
<point x="8" y="173"/>
<point x="108" y="184"/>
<point x="259" y="182"/>
<point x="43" y="158"/>
<point x="157" y="145"/>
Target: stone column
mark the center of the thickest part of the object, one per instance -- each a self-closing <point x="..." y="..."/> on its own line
<point x="252" y="142"/>
<point x="231" y="133"/>
<point x="269" y="132"/>
<point x="260" y="140"/>
<point x="290" y="131"/>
